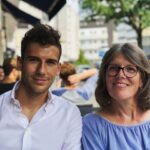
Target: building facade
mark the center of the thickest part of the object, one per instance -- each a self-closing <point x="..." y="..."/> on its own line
<point x="95" y="37"/>
<point x="66" y="22"/>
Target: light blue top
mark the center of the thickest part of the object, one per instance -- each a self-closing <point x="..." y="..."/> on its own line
<point x="101" y="134"/>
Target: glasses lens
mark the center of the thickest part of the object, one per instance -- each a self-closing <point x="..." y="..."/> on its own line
<point x="130" y="71"/>
<point x="113" y="70"/>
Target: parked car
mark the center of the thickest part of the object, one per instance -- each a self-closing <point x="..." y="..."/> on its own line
<point x="81" y="68"/>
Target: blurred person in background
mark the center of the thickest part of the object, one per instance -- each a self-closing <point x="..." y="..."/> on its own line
<point x="1" y="73"/>
<point x="70" y="87"/>
<point x="11" y="75"/>
<point x="123" y="93"/>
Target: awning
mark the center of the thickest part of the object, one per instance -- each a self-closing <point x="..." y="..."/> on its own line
<point x="51" y="7"/>
<point x="18" y="14"/>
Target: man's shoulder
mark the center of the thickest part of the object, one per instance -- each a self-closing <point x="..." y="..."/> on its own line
<point x="65" y="108"/>
<point x="64" y="104"/>
<point x="5" y="97"/>
<point x="6" y="94"/>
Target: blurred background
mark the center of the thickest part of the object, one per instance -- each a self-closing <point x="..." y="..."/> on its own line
<point x="87" y="27"/>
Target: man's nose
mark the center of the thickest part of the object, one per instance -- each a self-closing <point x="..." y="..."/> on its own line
<point x="41" y="67"/>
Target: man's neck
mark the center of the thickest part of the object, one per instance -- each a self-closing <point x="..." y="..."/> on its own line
<point x="30" y="104"/>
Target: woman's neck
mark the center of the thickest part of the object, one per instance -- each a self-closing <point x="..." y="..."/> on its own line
<point x="125" y="114"/>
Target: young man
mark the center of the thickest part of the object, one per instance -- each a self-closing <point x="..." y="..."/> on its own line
<point x="31" y="118"/>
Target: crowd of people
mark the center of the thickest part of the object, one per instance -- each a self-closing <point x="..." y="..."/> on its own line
<point x="35" y="117"/>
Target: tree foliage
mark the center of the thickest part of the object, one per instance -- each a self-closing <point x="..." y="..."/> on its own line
<point x="81" y="59"/>
<point x="135" y="13"/>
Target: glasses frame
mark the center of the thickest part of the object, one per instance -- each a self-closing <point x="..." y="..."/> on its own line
<point x="123" y="69"/>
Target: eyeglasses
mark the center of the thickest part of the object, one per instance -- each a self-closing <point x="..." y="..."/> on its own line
<point x="129" y="71"/>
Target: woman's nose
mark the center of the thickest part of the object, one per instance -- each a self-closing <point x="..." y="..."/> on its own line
<point x="121" y="72"/>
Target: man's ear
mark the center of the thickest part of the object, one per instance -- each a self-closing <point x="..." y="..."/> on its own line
<point x="19" y="63"/>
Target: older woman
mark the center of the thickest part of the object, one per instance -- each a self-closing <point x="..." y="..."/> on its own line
<point x="123" y="93"/>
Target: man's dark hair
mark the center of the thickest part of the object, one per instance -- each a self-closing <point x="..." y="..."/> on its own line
<point x="41" y="34"/>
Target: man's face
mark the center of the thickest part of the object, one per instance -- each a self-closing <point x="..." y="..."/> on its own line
<point x="39" y="68"/>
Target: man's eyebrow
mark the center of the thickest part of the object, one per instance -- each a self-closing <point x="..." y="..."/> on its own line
<point x="48" y="59"/>
<point x="31" y="57"/>
<point x="52" y="60"/>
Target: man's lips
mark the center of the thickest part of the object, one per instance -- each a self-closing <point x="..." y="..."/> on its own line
<point x="40" y="80"/>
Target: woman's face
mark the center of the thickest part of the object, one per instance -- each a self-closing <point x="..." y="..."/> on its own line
<point x="123" y="85"/>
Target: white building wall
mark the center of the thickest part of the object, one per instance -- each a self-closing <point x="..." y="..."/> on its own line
<point x="1" y="37"/>
<point x="93" y="39"/>
<point x="126" y="34"/>
<point x="18" y="35"/>
<point x="67" y="23"/>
